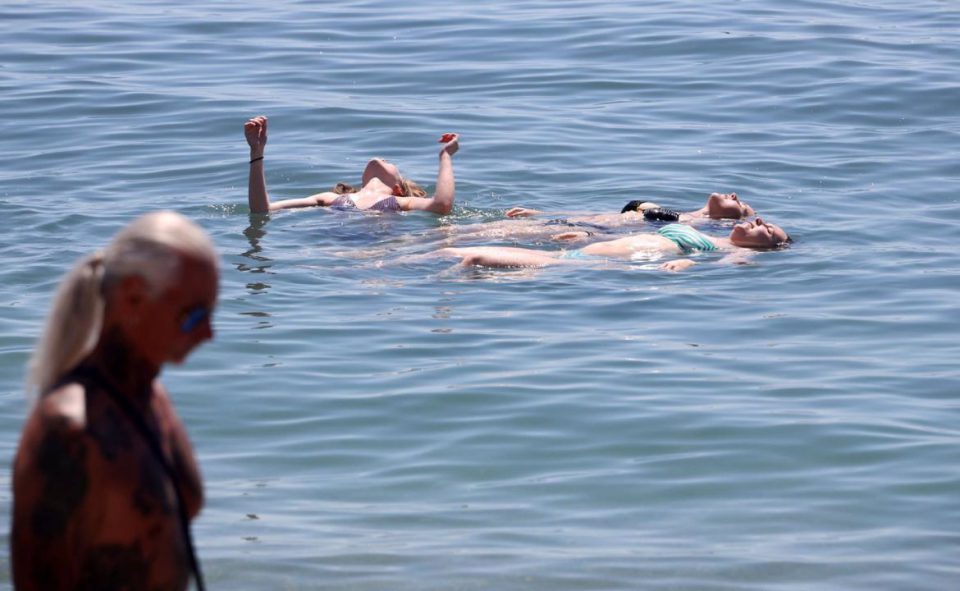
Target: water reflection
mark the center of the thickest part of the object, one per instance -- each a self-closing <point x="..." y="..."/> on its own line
<point x="263" y="316"/>
<point x="260" y="263"/>
<point x="443" y="312"/>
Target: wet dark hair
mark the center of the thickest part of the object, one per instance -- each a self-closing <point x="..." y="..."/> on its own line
<point x="343" y="189"/>
<point x="634" y="205"/>
<point x="654" y="214"/>
<point x="659" y="214"/>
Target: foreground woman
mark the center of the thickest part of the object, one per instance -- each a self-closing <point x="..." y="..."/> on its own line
<point x="671" y="239"/>
<point x="105" y="480"/>
<point x="382" y="187"/>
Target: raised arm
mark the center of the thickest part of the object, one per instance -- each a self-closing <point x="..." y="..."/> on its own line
<point x="446" y="187"/>
<point x="442" y="201"/>
<point x="255" y="130"/>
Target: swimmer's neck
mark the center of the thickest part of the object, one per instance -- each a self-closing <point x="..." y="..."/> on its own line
<point x="375" y="187"/>
<point x="723" y="243"/>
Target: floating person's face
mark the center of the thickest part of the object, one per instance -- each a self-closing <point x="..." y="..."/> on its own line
<point x="727" y="206"/>
<point x="758" y="234"/>
<point x="387" y="173"/>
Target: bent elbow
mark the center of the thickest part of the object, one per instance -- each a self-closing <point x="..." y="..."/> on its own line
<point x="441" y="204"/>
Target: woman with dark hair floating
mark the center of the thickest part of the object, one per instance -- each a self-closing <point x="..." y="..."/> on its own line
<point x="533" y="223"/>
<point x="719" y="206"/>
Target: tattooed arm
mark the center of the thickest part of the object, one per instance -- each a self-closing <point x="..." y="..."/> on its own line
<point x="51" y="484"/>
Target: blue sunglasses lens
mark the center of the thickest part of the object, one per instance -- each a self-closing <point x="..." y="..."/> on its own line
<point x="193" y="318"/>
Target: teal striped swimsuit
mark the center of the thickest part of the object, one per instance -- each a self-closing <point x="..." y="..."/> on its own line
<point x="579" y="255"/>
<point x="688" y="239"/>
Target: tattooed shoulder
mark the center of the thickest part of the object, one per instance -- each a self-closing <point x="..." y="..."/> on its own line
<point x="60" y="461"/>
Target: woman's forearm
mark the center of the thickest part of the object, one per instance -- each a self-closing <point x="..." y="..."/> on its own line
<point x="320" y="199"/>
<point x="255" y="132"/>
<point x="257" y="196"/>
<point x="446" y="186"/>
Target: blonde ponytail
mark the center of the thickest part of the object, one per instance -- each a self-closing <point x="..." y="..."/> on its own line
<point x="73" y="325"/>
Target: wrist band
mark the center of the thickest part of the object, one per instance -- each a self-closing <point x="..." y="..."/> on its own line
<point x="256" y="159"/>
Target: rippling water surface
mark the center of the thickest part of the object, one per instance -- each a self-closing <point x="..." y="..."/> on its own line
<point x="367" y="419"/>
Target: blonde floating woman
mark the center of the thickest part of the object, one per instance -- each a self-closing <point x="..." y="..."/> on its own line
<point x="382" y="189"/>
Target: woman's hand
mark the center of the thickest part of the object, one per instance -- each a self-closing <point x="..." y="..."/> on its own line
<point x="522" y="212"/>
<point x="255" y="130"/>
<point x="451" y="143"/>
<point x="677" y="265"/>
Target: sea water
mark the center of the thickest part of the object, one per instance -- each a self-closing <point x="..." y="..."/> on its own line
<point x="370" y="418"/>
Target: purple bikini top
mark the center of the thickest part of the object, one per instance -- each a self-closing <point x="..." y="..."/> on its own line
<point x="386" y="204"/>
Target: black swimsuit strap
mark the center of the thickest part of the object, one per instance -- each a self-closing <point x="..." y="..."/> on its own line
<point x="141" y="426"/>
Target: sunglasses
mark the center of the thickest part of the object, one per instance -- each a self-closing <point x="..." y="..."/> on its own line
<point x="193" y="317"/>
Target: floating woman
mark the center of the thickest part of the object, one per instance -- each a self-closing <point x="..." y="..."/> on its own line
<point x="382" y="187"/>
<point x="744" y="238"/>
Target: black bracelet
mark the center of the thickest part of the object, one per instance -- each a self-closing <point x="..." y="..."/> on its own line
<point x="256" y="159"/>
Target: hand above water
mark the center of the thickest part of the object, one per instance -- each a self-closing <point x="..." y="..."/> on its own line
<point x="451" y="143"/>
<point x="255" y="130"/>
